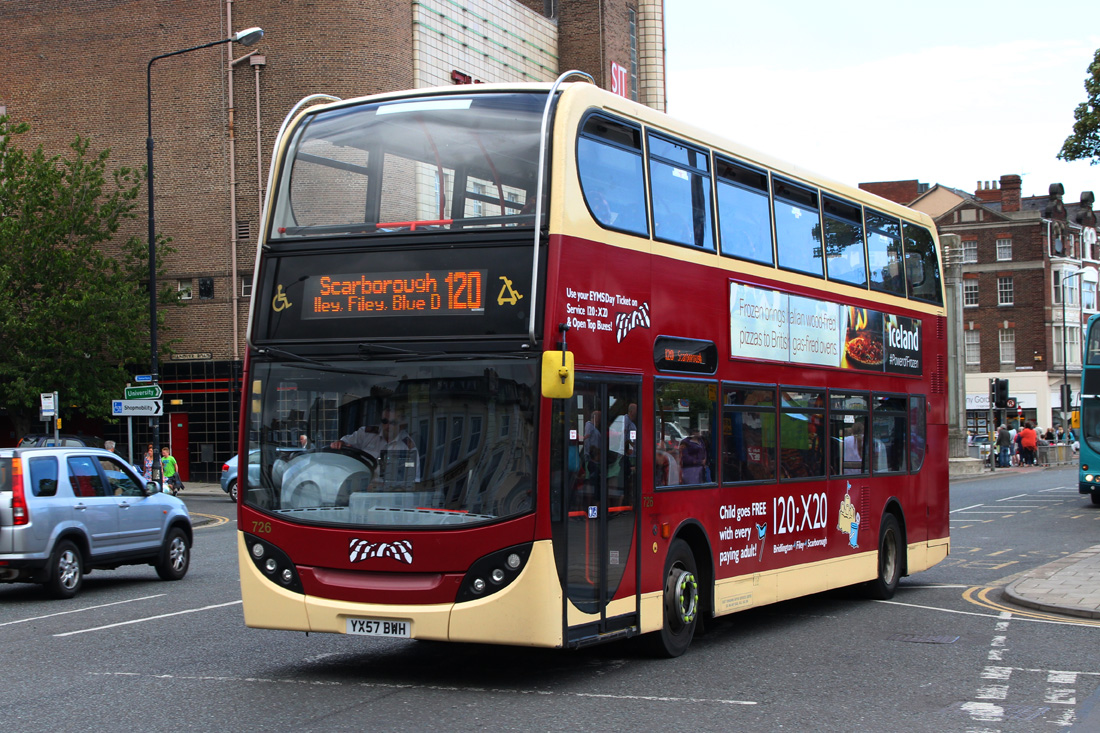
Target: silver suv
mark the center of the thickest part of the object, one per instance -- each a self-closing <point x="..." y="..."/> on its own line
<point x="67" y="511"/>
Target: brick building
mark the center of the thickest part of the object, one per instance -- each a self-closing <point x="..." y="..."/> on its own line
<point x="1017" y="254"/>
<point x="79" y="69"/>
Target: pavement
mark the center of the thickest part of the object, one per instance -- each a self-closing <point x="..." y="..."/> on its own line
<point x="1069" y="585"/>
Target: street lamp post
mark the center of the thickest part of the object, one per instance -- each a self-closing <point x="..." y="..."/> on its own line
<point x="248" y="37"/>
<point x="1066" y="275"/>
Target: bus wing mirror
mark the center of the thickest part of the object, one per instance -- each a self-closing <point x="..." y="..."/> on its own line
<point x="557" y="374"/>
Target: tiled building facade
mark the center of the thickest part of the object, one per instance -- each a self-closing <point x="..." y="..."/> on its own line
<point x="1020" y="254"/>
<point x="79" y="69"/>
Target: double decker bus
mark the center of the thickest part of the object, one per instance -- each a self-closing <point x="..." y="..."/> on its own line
<point x="566" y="371"/>
<point x="1087" y="431"/>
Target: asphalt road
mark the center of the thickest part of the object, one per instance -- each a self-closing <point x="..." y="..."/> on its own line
<point x="132" y="652"/>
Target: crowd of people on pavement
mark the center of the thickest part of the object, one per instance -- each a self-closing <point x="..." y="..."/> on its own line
<point x="1020" y="447"/>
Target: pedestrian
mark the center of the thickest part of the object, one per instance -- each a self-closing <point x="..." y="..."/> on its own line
<point x="1029" y="441"/>
<point x="147" y="467"/>
<point x="171" y="471"/>
<point x="1004" y="445"/>
<point x="109" y="445"/>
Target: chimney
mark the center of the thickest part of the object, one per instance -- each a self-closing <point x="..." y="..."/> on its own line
<point x="1010" y="193"/>
<point x="987" y="192"/>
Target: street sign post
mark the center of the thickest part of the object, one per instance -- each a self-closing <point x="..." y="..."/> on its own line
<point x="49" y="408"/>
<point x="152" y="392"/>
<point x="136" y="408"/>
<point x="143" y="378"/>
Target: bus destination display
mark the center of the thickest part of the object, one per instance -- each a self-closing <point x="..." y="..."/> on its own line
<point x="420" y="292"/>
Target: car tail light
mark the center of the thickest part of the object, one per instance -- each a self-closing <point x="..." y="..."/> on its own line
<point x="225" y="467"/>
<point x="20" y="513"/>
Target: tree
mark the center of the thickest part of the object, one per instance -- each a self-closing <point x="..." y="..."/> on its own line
<point x="72" y="318"/>
<point x="1085" y="140"/>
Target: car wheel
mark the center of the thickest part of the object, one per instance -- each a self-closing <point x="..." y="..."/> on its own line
<point x="66" y="570"/>
<point x="175" y="556"/>
<point x="233" y="490"/>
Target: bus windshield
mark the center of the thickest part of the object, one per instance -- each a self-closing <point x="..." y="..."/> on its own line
<point x="400" y="444"/>
<point x="421" y="164"/>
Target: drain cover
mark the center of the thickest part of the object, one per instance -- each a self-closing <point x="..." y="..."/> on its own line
<point x="914" y="639"/>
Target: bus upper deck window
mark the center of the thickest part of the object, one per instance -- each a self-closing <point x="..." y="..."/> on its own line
<point x="744" y="212"/>
<point x="884" y="253"/>
<point x="609" y="162"/>
<point x="922" y="268"/>
<point x="679" y="179"/>
<point x="797" y="227"/>
<point x="844" y="256"/>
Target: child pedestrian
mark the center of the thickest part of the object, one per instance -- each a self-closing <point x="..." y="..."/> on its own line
<point x="171" y="471"/>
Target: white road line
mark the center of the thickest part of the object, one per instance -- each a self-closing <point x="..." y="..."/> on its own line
<point x="79" y="610"/>
<point x="991" y="512"/>
<point x="1009" y="498"/>
<point x="150" y="618"/>
<point x="444" y="688"/>
<point x="972" y="506"/>
<point x="988" y="615"/>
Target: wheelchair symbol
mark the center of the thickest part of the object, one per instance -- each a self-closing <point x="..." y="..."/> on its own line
<point x="280" y="302"/>
<point x="507" y="293"/>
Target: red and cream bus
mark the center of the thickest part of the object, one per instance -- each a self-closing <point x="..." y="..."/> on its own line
<point x="537" y="365"/>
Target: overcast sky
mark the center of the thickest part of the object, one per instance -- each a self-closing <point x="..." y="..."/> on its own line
<point x="864" y="91"/>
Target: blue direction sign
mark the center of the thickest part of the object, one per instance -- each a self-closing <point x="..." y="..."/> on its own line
<point x="143" y="378"/>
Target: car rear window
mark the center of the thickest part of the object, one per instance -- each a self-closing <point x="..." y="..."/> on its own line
<point x="5" y="474"/>
<point x="43" y="476"/>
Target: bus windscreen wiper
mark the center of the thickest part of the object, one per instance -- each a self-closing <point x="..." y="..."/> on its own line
<point x="371" y="351"/>
<point x="289" y="355"/>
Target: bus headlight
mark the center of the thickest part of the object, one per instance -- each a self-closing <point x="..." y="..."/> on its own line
<point x="501" y="568"/>
<point x="1089" y="478"/>
<point x="273" y="562"/>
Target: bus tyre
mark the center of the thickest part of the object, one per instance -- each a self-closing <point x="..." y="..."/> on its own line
<point x="889" y="560"/>
<point x="66" y="570"/>
<point x="681" y="602"/>
<point x="1096" y="498"/>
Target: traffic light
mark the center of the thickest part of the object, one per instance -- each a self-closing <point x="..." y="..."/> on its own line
<point x="1067" y="398"/>
<point x="1000" y="393"/>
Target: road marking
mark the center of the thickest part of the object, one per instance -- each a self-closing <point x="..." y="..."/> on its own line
<point x="444" y="688"/>
<point x="1010" y="498"/>
<point x="79" y="610"/>
<point x="979" y="596"/>
<point x="1017" y="615"/>
<point x="218" y="519"/>
<point x="972" y="506"/>
<point x="150" y="618"/>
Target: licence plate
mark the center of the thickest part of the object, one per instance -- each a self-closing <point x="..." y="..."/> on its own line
<point x="378" y="627"/>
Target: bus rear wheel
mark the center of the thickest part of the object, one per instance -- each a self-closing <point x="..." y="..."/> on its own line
<point x="890" y="547"/>
<point x="681" y="603"/>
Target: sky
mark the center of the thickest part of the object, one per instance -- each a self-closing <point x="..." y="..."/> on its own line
<point x="943" y="92"/>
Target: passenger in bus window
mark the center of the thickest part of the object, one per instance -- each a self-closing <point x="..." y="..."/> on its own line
<point x="855" y="449"/>
<point x="592" y="437"/>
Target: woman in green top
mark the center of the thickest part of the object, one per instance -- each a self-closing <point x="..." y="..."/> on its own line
<point x="171" y="476"/>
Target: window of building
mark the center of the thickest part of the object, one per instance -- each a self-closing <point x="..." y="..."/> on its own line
<point x="1004" y="291"/>
<point x="797" y="227"/>
<point x="748" y="434"/>
<point x="246" y="286"/>
<point x="1007" y="340"/>
<point x="1072" y="347"/>
<point x="679" y="180"/>
<point x="1064" y="284"/>
<point x="183" y="287"/>
<point x="1088" y="295"/>
<point x="970" y="251"/>
<point x="970" y="293"/>
<point x="744" y="212"/>
<point x="973" y="345"/>
<point x="1004" y="249"/>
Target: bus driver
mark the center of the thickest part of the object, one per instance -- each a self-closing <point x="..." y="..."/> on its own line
<point x="389" y="438"/>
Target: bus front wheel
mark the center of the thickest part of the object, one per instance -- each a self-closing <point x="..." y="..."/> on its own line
<point x="890" y="547"/>
<point x="681" y="603"/>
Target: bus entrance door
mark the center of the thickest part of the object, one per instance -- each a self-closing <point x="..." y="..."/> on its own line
<point x="595" y="520"/>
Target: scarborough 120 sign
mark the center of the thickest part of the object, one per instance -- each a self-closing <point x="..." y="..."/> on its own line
<point x="778" y="326"/>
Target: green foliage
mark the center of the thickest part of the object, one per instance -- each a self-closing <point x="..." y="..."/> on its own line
<point x="1085" y="140"/>
<point x="72" y="319"/>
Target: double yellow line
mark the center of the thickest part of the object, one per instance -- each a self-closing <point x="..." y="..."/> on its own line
<point x="979" y="596"/>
